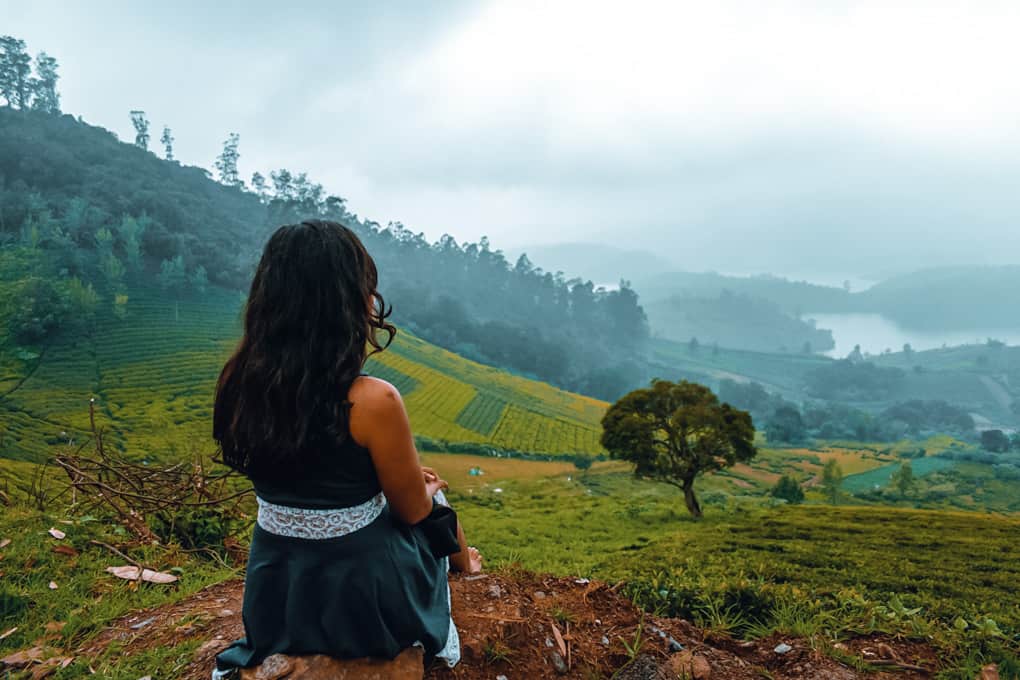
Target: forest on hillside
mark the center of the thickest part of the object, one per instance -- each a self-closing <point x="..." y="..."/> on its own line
<point x="84" y="217"/>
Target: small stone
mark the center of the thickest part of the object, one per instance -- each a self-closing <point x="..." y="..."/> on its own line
<point x="605" y="641"/>
<point x="225" y="613"/>
<point x="558" y="663"/>
<point x="783" y="648"/>
<point x="495" y="591"/>
<point x="539" y="595"/>
<point x="700" y="669"/>
<point x="989" y="672"/>
<point x="549" y="642"/>
<point x="501" y="677"/>
<point x="143" y="624"/>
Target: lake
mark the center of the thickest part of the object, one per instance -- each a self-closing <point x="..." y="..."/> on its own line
<point x="875" y="333"/>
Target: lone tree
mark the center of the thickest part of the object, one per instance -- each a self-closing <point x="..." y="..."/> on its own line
<point x="167" y="140"/>
<point x="141" y="124"/>
<point x="903" y="479"/>
<point x="674" y="432"/>
<point x="226" y="162"/>
<point x="832" y="480"/>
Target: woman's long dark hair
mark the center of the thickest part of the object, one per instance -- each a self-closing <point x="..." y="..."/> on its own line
<point x="312" y="312"/>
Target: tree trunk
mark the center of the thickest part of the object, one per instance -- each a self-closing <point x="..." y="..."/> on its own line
<point x="690" y="499"/>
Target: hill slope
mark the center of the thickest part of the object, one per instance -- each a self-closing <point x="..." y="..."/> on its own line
<point x="153" y="374"/>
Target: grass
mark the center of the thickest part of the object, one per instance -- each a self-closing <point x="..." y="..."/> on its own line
<point x="86" y="597"/>
<point x="153" y="375"/>
<point x="751" y="569"/>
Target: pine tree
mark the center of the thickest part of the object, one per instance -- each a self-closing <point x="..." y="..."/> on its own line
<point x="44" y="86"/>
<point x="15" y="72"/>
<point x="168" y="143"/>
<point x="258" y="185"/>
<point x="226" y="162"/>
<point x="141" y="124"/>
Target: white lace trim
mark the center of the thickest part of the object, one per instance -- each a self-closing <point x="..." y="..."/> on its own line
<point x="315" y="524"/>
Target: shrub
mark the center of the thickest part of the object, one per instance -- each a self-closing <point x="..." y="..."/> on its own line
<point x="789" y="489"/>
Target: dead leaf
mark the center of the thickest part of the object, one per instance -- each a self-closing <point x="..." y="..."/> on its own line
<point x="53" y="585"/>
<point x="65" y="550"/>
<point x="4" y="543"/>
<point x="55" y="626"/>
<point x="130" y="573"/>
<point x="559" y="640"/>
<point x="22" y="658"/>
<point x="8" y="633"/>
<point x="57" y="533"/>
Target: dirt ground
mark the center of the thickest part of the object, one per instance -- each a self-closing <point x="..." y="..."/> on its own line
<point x="524" y="625"/>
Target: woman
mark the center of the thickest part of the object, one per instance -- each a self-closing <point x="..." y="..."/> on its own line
<point x="353" y="540"/>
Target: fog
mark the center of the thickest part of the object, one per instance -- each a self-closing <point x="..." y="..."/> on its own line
<point x="824" y="140"/>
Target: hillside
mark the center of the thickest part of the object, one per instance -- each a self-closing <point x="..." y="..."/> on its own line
<point x="113" y="215"/>
<point x="153" y="374"/>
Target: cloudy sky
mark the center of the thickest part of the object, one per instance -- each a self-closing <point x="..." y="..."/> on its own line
<point x="815" y="138"/>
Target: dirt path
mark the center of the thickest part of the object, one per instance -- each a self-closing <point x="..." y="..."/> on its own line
<point x="507" y="622"/>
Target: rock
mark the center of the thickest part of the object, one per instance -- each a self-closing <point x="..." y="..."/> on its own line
<point x="472" y="649"/>
<point x="495" y="591"/>
<point x="605" y="641"/>
<point x="989" y="672"/>
<point x="700" y="668"/>
<point x="783" y="648"/>
<point x="887" y="652"/>
<point x="687" y="664"/>
<point x="539" y="595"/>
<point x="558" y="663"/>
<point x="409" y="665"/>
<point x="645" y="667"/>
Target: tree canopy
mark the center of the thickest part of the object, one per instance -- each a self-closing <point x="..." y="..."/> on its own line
<point x="675" y="432"/>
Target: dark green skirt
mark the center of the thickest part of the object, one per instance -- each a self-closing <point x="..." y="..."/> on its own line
<point x="373" y="592"/>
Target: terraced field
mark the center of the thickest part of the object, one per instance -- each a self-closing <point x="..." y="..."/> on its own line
<point x="153" y="374"/>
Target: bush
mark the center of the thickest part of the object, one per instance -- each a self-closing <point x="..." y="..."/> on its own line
<point x="789" y="489"/>
<point x="994" y="440"/>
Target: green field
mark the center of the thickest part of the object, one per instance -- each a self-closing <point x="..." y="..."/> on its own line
<point x="879" y="477"/>
<point x="749" y="568"/>
<point x="153" y="374"/>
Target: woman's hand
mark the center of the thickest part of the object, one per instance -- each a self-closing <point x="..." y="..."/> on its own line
<point x="434" y="484"/>
<point x="474" y="561"/>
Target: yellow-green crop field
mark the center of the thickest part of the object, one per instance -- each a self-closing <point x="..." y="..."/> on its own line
<point x="153" y="374"/>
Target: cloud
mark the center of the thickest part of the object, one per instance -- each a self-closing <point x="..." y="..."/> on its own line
<point x="741" y="136"/>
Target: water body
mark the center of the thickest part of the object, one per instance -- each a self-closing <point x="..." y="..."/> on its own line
<point x="876" y="333"/>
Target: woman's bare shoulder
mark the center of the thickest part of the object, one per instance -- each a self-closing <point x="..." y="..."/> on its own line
<point x="376" y="407"/>
<point x="373" y="399"/>
<point x="370" y="391"/>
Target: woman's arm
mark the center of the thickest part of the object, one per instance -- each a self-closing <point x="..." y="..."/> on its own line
<point x="378" y="421"/>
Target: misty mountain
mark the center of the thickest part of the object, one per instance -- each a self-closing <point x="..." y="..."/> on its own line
<point x="736" y="321"/>
<point x="953" y="298"/>
<point x="603" y="263"/>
